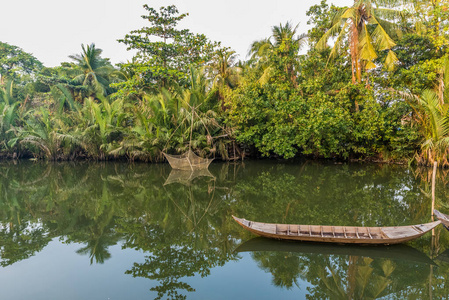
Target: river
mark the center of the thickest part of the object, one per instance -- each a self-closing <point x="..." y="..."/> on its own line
<point x="144" y="231"/>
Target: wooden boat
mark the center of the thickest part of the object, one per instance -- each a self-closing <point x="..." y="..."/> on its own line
<point x="338" y="234"/>
<point x="442" y="217"/>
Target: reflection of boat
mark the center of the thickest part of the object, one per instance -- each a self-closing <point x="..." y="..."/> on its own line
<point x="442" y="217"/>
<point x="186" y="176"/>
<point x="187" y="161"/>
<point x="394" y="252"/>
<point x="338" y="234"/>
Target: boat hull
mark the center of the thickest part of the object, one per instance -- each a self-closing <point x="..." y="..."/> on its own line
<point x="338" y="234"/>
<point x="442" y="217"/>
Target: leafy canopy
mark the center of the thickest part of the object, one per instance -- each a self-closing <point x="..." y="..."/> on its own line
<point x="14" y="61"/>
<point x="164" y="52"/>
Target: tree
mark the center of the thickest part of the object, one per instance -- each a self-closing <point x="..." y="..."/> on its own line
<point x="320" y="16"/>
<point x="432" y="20"/>
<point x="368" y="29"/>
<point x="94" y="71"/>
<point x="164" y="53"/>
<point x="433" y="114"/>
<point x="15" y="62"/>
<point x="283" y="36"/>
<point x="281" y="48"/>
<point x="224" y="72"/>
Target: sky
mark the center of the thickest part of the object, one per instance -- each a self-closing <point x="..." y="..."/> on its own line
<point x="52" y="30"/>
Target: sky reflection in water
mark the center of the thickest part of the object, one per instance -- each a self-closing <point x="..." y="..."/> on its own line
<point x="121" y="231"/>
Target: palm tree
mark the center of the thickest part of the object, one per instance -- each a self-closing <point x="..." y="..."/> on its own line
<point x="432" y="112"/>
<point x="105" y="124"/>
<point x="283" y="36"/>
<point x="42" y="136"/>
<point x="94" y="72"/>
<point x="367" y="33"/>
<point x="225" y="73"/>
<point x="284" y="43"/>
<point x="224" y="70"/>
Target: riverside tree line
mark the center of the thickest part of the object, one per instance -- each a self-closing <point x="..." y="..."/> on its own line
<point x="373" y="84"/>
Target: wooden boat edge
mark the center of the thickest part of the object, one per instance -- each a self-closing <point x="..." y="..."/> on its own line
<point x="442" y="217"/>
<point x="426" y="227"/>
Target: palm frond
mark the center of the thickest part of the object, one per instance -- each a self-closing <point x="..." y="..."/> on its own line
<point x="383" y="40"/>
<point x="367" y="51"/>
<point x="391" y="60"/>
<point x="322" y="43"/>
<point x="338" y="42"/>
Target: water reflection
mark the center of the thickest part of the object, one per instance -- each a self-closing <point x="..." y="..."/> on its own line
<point x="392" y="252"/>
<point x="187" y="176"/>
<point x="182" y="222"/>
<point x="341" y="271"/>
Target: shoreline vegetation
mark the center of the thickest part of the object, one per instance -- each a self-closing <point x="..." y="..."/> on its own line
<point x="373" y="85"/>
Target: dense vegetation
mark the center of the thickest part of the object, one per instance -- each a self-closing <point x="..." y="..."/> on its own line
<point x="372" y="85"/>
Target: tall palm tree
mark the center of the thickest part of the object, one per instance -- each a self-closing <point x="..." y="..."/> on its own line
<point x="284" y="36"/>
<point x="368" y="27"/>
<point x="95" y="72"/>
<point x="224" y="70"/>
<point x="284" y="43"/>
<point x="225" y="73"/>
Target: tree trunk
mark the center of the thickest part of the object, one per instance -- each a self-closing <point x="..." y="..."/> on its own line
<point x="354" y="50"/>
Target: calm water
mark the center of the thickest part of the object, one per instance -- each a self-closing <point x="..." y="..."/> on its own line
<point x="138" y="231"/>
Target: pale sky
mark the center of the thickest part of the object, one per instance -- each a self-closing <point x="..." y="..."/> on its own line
<point x="52" y="30"/>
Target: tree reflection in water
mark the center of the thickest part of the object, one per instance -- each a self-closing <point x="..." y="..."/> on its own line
<point x="342" y="272"/>
<point x="186" y="229"/>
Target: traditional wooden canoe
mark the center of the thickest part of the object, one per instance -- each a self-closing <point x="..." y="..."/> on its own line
<point x="338" y="234"/>
<point x="442" y="217"/>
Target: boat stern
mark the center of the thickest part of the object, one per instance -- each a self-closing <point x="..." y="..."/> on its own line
<point x="442" y="217"/>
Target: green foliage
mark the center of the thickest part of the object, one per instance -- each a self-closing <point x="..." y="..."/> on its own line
<point x="367" y="29"/>
<point x="182" y="90"/>
<point x="431" y="21"/>
<point x="173" y="121"/>
<point x="93" y="72"/>
<point x="320" y="17"/>
<point x="278" y="121"/>
<point x="433" y="115"/>
<point x="279" y="52"/>
<point x="14" y="62"/>
<point x="164" y="53"/>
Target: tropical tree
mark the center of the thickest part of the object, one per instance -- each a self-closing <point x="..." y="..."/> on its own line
<point x="224" y="72"/>
<point x="164" y="52"/>
<point x="105" y="125"/>
<point x="283" y="36"/>
<point x="368" y="26"/>
<point x="224" y="69"/>
<point x="432" y="112"/>
<point x="43" y="135"/>
<point x="93" y="71"/>
<point x="282" y="47"/>
<point x="431" y="19"/>
<point x="8" y="113"/>
<point x="15" y="62"/>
